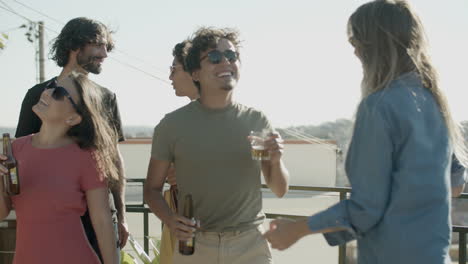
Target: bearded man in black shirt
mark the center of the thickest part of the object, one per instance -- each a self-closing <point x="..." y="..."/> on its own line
<point x="82" y="46"/>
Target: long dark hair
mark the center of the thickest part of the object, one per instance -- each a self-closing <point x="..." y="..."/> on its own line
<point x="180" y="52"/>
<point x="94" y="131"/>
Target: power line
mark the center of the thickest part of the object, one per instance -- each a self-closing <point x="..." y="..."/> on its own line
<point x="111" y="57"/>
<point x="142" y="60"/>
<point x="26" y="18"/>
<point x="12" y="29"/>
<point x="1" y="1"/>
<point x="62" y="23"/>
<point x="14" y="12"/>
<point x="140" y="70"/>
<point x="39" y="12"/>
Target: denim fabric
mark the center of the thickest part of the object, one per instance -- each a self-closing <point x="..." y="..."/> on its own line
<point x="398" y="164"/>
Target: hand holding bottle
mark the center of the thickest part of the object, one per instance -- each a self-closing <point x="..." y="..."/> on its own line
<point x="3" y="169"/>
<point x="182" y="227"/>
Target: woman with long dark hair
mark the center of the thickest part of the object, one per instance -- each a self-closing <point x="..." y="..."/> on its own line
<point x="65" y="168"/>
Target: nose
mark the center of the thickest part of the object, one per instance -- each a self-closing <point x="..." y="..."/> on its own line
<point x="103" y="51"/>
<point x="171" y="75"/>
<point x="224" y="60"/>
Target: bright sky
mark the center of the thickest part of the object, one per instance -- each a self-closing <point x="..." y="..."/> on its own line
<point x="297" y="65"/>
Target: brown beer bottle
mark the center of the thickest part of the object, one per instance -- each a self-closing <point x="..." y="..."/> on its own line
<point x="11" y="182"/>
<point x="187" y="247"/>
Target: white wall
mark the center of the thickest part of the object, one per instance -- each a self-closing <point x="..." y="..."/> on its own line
<point x="308" y="164"/>
<point x="136" y="158"/>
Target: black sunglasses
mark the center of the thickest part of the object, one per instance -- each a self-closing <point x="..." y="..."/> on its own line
<point x="215" y="56"/>
<point x="59" y="93"/>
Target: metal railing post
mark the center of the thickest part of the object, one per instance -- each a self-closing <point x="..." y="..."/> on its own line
<point x="462" y="247"/>
<point x="461" y="230"/>
<point x="145" y="232"/>
<point x="342" y="248"/>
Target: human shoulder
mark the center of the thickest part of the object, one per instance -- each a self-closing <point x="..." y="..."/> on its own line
<point x="398" y="93"/>
<point x="182" y="112"/>
<point x="19" y="143"/>
<point x="37" y="89"/>
<point x="248" y="110"/>
<point x="82" y="155"/>
<point x="104" y="90"/>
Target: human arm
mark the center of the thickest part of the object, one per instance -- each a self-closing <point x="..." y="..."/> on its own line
<point x="457" y="190"/>
<point x="181" y="227"/>
<point x="284" y="233"/>
<point x="5" y="202"/>
<point x="369" y="167"/>
<point x="457" y="177"/>
<point x="275" y="173"/>
<point x="118" y="192"/>
<point x="99" y="211"/>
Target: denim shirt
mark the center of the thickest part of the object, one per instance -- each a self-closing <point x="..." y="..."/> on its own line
<point x="399" y="166"/>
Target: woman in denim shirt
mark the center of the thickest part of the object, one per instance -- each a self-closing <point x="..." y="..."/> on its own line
<point x="400" y="156"/>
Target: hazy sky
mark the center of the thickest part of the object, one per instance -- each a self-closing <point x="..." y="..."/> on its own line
<point x="297" y="65"/>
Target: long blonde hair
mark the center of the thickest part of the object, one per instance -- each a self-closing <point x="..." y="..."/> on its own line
<point x="390" y="41"/>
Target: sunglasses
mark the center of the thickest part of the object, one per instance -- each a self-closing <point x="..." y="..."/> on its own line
<point x="59" y="93"/>
<point x="215" y="56"/>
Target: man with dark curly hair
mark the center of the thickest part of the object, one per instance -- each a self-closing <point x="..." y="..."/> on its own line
<point x="180" y="77"/>
<point x="207" y="140"/>
<point x="82" y="46"/>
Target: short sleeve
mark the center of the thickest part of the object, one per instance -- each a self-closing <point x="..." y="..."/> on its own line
<point x="162" y="147"/>
<point x="112" y="110"/>
<point x="116" y="118"/>
<point x="263" y="123"/>
<point x="90" y="177"/>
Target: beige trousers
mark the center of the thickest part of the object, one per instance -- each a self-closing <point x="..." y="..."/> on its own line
<point x="237" y="247"/>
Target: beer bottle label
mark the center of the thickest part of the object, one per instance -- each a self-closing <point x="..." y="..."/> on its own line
<point x="13" y="176"/>
<point x="190" y="242"/>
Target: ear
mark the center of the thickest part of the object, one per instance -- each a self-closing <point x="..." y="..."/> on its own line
<point x="196" y="76"/>
<point x="72" y="54"/>
<point x="73" y="120"/>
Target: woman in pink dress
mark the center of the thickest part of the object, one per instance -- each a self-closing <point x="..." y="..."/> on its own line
<point x="64" y="168"/>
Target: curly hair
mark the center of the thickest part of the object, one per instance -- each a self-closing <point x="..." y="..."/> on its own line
<point x="75" y="35"/>
<point x="207" y="38"/>
<point x="180" y="52"/>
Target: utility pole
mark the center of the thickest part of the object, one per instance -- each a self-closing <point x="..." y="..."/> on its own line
<point x="41" y="51"/>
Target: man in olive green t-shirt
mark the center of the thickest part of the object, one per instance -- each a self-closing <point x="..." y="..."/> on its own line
<point x="207" y="142"/>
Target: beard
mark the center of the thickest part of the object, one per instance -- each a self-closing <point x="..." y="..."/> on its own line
<point x="87" y="63"/>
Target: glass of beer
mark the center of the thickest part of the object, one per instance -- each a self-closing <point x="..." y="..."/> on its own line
<point x="257" y="141"/>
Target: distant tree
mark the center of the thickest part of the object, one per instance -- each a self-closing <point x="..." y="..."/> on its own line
<point x="3" y="40"/>
<point x="338" y="130"/>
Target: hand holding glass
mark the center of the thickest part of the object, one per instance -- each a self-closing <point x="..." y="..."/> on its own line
<point x="257" y="141"/>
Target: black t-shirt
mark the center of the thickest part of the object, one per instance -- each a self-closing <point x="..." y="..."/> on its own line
<point x="30" y="123"/>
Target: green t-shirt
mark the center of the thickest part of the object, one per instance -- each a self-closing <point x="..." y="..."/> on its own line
<point x="211" y="153"/>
